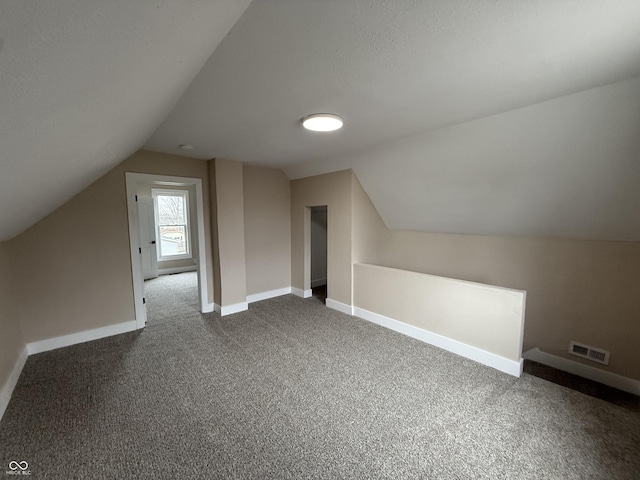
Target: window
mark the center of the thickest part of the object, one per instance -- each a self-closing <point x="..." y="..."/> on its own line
<point x="172" y="223"/>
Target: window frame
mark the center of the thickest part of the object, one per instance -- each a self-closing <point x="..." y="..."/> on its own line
<point x="178" y="192"/>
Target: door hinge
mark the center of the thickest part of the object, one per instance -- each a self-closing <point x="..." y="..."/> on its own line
<point x="144" y="300"/>
<point x="136" y="198"/>
<point x="139" y="249"/>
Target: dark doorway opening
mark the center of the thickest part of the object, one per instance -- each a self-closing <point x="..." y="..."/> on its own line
<point x="319" y="252"/>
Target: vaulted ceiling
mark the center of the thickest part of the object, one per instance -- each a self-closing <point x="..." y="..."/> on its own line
<point x="84" y="83"/>
<point x="469" y="116"/>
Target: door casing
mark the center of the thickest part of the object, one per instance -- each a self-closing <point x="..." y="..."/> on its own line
<point x="132" y="180"/>
<point x="148" y="245"/>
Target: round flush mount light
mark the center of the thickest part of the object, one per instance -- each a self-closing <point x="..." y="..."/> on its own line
<point x="322" y="122"/>
<point x="186" y="146"/>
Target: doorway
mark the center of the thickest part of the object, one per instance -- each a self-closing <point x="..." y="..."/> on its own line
<point x="319" y="253"/>
<point x="137" y="186"/>
<point x="168" y="264"/>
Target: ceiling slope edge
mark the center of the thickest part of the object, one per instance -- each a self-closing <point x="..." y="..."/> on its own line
<point x="564" y="168"/>
<point x="86" y="85"/>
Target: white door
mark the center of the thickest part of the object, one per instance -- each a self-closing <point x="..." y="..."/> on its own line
<point x="147" y="238"/>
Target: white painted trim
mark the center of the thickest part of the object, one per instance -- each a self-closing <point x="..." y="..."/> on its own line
<point x="235" y="308"/>
<point x="505" y="365"/>
<point x="10" y="384"/>
<point x="257" y="297"/>
<point x="131" y="181"/>
<point x="134" y="244"/>
<point x="217" y="308"/>
<point x="318" y="282"/>
<point x="201" y="260"/>
<point x="521" y="339"/>
<point x="80" y="337"/>
<point x="301" y="293"/>
<point x="339" y="306"/>
<point x="169" y="271"/>
<point x="592" y="373"/>
<point x="52" y="344"/>
<point x="210" y="307"/>
<point x="186" y="205"/>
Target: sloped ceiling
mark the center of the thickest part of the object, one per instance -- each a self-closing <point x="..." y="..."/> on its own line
<point x="469" y="116"/>
<point x="568" y="167"/>
<point x="430" y="70"/>
<point x="83" y="83"/>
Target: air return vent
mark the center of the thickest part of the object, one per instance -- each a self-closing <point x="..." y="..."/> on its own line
<point x="590" y="353"/>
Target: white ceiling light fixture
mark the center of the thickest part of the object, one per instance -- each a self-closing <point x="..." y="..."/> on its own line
<point x="323" y="122"/>
<point x="186" y="146"/>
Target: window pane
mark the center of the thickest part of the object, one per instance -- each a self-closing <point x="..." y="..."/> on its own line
<point x="173" y="240"/>
<point x="171" y="210"/>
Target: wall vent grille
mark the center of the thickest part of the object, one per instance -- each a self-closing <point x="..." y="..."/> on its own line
<point x="590" y="353"/>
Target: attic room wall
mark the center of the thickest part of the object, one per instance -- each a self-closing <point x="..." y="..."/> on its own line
<point x="267" y="229"/>
<point x="576" y="290"/>
<point x="75" y="267"/>
<point x="11" y="339"/>
<point x="370" y="235"/>
<point x="333" y="190"/>
<point x="229" y="205"/>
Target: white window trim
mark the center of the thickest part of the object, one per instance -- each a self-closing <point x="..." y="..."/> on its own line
<point x="172" y="192"/>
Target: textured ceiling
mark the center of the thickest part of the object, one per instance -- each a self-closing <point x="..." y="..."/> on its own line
<point x="392" y="69"/>
<point x="83" y="83"/>
<point x="491" y="117"/>
<point x="472" y="116"/>
<point x="568" y="167"/>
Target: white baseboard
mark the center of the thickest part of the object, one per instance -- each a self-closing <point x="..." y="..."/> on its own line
<point x="169" y="271"/>
<point x="7" y="389"/>
<point x="339" y="306"/>
<point x="231" y="309"/>
<point x="505" y="365"/>
<point x="301" y="293"/>
<point x="586" y="371"/>
<point x="53" y="343"/>
<point x="80" y="337"/>
<point x="208" y="308"/>
<point x="318" y="282"/>
<point x="257" y="297"/>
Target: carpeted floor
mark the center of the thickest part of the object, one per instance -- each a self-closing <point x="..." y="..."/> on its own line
<point x="171" y="297"/>
<point x="291" y="389"/>
<point x="584" y="385"/>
